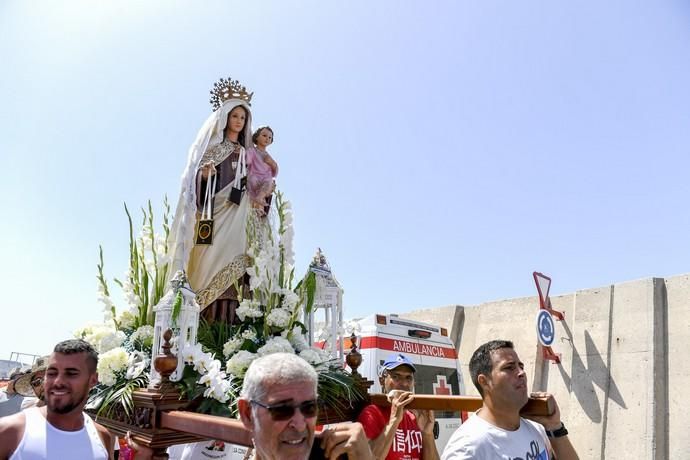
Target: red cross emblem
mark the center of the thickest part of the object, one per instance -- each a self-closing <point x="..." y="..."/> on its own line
<point x="441" y="386"/>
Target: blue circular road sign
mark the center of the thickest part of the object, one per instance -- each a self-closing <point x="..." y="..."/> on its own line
<point x="546" y="332"/>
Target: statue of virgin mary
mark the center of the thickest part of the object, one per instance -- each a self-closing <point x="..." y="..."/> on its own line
<point x="216" y="165"/>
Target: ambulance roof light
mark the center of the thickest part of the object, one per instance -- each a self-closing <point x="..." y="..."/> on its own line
<point x="381" y="319"/>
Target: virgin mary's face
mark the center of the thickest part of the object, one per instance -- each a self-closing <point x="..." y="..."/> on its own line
<point x="237" y="119"/>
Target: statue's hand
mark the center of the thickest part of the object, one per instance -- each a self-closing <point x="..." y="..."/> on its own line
<point x="208" y="170"/>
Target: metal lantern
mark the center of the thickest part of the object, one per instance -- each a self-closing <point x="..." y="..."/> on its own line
<point x="184" y="326"/>
<point x="329" y="298"/>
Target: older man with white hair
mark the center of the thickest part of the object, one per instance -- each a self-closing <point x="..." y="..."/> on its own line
<point x="278" y="404"/>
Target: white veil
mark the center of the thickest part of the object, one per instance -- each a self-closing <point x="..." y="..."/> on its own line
<point x="181" y="239"/>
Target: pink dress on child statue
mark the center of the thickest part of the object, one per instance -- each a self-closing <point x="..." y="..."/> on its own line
<point x="260" y="175"/>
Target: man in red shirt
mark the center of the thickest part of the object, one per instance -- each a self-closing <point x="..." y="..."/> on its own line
<point x="395" y="432"/>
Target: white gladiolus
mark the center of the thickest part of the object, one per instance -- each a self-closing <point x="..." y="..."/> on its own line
<point x="128" y="290"/>
<point x="107" y="302"/>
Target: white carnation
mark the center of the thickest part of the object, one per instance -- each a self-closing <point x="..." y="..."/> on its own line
<point x="103" y="337"/>
<point x="298" y="340"/>
<point x="238" y="364"/>
<point x="278" y="317"/>
<point x="110" y="340"/>
<point x="111" y="365"/>
<point x="276" y="345"/>
<point x="232" y="345"/>
<point x="249" y="309"/>
<point x="290" y="300"/>
<point x="142" y="335"/>
<point x="249" y="334"/>
<point x="311" y="356"/>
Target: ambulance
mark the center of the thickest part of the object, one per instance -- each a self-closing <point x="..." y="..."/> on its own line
<point x="430" y="350"/>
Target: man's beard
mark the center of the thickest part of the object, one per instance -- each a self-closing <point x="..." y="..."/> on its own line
<point x="68" y="407"/>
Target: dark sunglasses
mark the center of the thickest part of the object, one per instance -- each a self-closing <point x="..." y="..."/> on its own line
<point x="282" y="412"/>
<point x="36" y="382"/>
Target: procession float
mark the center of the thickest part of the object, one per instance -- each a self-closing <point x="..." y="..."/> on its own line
<point x="211" y="290"/>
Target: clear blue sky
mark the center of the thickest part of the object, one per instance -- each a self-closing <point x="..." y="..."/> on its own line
<point x="438" y="152"/>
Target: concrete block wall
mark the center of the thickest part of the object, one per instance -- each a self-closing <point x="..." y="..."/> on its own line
<point x="622" y="379"/>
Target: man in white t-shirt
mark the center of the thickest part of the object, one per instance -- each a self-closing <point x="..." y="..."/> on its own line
<point x="60" y="429"/>
<point x="496" y="431"/>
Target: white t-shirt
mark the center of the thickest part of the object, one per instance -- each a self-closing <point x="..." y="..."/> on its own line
<point x="42" y="441"/>
<point x="479" y="439"/>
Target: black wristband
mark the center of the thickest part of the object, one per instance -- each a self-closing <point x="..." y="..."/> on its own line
<point x="558" y="432"/>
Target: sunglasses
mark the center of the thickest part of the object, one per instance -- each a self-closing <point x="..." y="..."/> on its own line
<point x="36" y="382"/>
<point x="282" y="412"/>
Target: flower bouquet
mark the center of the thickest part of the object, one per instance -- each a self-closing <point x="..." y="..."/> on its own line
<point x="270" y="321"/>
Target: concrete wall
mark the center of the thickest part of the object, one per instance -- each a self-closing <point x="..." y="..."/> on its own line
<point x="623" y="373"/>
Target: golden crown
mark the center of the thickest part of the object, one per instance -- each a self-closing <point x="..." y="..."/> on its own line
<point x="225" y="89"/>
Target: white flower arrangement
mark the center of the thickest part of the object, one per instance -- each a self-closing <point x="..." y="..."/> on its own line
<point x="276" y="345"/>
<point x="270" y="321"/>
<point x="298" y="340"/>
<point x="137" y="363"/>
<point x="239" y="363"/>
<point x="126" y="320"/>
<point x="103" y="337"/>
<point x="312" y="356"/>
<point x="111" y="365"/>
<point x="232" y="346"/>
<point x="249" y="309"/>
<point x="279" y="318"/>
<point x="143" y="335"/>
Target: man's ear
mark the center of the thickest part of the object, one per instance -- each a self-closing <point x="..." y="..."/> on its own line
<point x="93" y="380"/>
<point x="244" y="407"/>
<point x="484" y="382"/>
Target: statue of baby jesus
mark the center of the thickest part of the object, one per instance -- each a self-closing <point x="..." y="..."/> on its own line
<point x="262" y="168"/>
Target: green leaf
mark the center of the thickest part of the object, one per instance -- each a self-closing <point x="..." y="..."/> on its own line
<point x="177" y="307"/>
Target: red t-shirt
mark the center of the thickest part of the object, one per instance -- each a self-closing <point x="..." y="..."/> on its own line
<point x="407" y="442"/>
